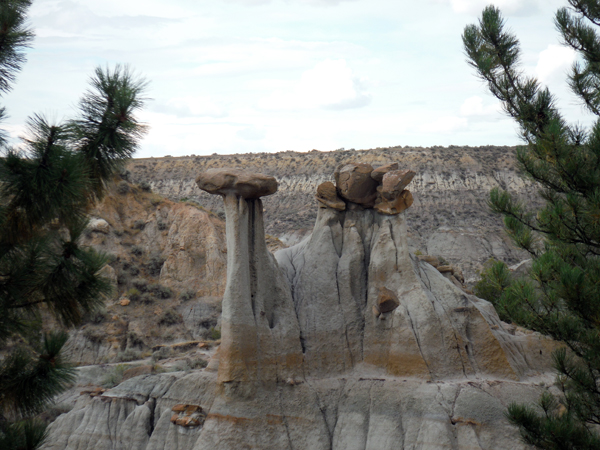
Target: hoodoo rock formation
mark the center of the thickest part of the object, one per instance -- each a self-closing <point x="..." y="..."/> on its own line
<point x="258" y="325"/>
<point x="344" y="341"/>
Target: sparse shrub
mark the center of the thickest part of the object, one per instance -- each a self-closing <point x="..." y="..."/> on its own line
<point x="140" y="284"/>
<point x="184" y="199"/>
<point x="154" y="264"/>
<point x="443" y="261"/>
<point x="117" y="232"/>
<point x="133" y="294"/>
<point x="156" y="200"/>
<point x="93" y="335"/>
<point x="139" y="224"/>
<point x="162" y="353"/>
<point x="98" y="316"/>
<point x="160" y="291"/>
<point x="125" y="174"/>
<point x="52" y="413"/>
<point x="187" y="295"/>
<point x="161" y="225"/>
<point x="114" y="376"/>
<point x="147" y="298"/>
<point x="122" y="276"/>
<point x="134" y="340"/>
<point x="129" y="354"/>
<point x="418" y="253"/>
<point x="123" y="187"/>
<point x="180" y="366"/>
<point x="111" y="258"/>
<point x="137" y="250"/>
<point x="145" y="186"/>
<point x="198" y="363"/>
<point x="215" y="334"/>
<point x="170" y="317"/>
<point x="134" y="270"/>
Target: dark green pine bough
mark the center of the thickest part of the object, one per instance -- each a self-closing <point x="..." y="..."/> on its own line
<point x="46" y="190"/>
<point x="560" y="296"/>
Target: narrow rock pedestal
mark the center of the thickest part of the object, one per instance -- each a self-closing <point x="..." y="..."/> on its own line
<point x="259" y="329"/>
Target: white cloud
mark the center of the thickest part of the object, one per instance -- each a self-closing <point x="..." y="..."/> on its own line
<point x="553" y="62"/>
<point x="66" y="16"/>
<point x="508" y="7"/>
<point x="251" y="133"/>
<point x="191" y="106"/>
<point x="331" y="84"/>
<point x="473" y="106"/>
<point x="444" y="124"/>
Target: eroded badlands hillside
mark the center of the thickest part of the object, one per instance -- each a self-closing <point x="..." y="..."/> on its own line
<point x="343" y="341"/>
<point x="449" y="217"/>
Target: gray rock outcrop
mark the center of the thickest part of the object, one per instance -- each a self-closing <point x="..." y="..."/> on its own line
<point x="344" y="341"/>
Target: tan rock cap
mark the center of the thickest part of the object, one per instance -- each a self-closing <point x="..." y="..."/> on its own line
<point x="327" y="195"/>
<point x="378" y="173"/>
<point x="394" y="182"/>
<point x="396" y="205"/>
<point x="354" y="183"/>
<point x="239" y="182"/>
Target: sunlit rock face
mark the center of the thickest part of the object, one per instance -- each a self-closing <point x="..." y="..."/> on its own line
<point x="344" y="341"/>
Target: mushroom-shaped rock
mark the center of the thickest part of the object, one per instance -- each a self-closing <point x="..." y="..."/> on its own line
<point x="378" y="173"/>
<point x="354" y="183"/>
<point x="327" y="195"/>
<point x="241" y="183"/>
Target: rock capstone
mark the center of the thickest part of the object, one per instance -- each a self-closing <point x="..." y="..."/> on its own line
<point x="394" y="182"/>
<point x="378" y="173"/>
<point x="241" y="183"/>
<point x="354" y="183"/>
<point x="394" y="206"/>
<point x="327" y="195"/>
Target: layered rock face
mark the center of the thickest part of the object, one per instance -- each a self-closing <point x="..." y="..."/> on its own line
<point x="449" y="216"/>
<point x="343" y="341"/>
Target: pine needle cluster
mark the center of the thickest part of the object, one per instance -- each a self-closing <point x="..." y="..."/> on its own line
<point x="47" y="186"/>
<point x="561" y="295"/>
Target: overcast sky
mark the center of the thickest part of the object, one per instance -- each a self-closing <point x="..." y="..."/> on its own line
<point x="237" y="76"/>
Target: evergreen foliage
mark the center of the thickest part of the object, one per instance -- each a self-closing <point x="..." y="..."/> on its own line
<point x="561" y="295"/>
<point x="46" y="190"/>
<point x="494" y="279"/>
